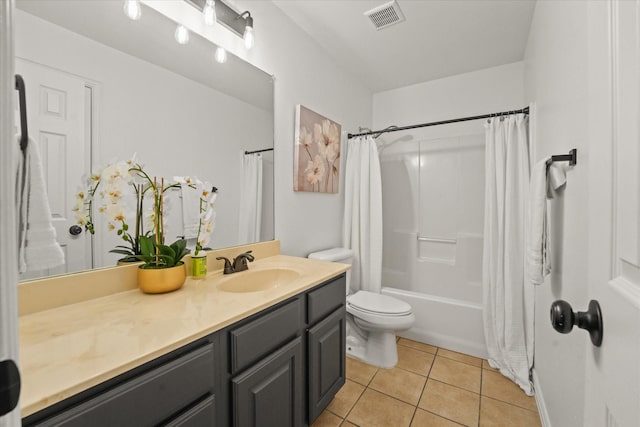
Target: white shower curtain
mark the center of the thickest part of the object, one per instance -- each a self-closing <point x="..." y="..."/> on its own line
<point x="363" y="213"/>
<point x="507" y="296"/>
<point x="250" y="215"/>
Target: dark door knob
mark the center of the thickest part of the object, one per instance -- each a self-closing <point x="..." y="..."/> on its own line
<point x="563" y="318"/>
<point x="74" y="230"/>
<point x="9" y="386"/>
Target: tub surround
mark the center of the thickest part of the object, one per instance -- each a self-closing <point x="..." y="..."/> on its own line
<point x="81" y="330"/>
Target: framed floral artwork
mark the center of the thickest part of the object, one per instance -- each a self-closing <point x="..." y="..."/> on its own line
<point x="317" y="154"/>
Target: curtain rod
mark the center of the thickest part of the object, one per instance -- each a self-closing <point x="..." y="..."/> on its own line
<point x="442" y="122"/>
<point x="258" y="151"/>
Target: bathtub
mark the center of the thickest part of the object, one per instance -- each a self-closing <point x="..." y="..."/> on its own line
<point x="443" y="322"/>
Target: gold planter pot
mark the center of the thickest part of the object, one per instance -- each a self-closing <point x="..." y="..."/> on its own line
<point x="161" y="280"/>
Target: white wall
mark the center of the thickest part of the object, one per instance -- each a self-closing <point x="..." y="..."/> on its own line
<point x="304" y="74"/>
<point x="556" y="80"/>
<point x="479" y="92"/>
<point x="176" y="125"/>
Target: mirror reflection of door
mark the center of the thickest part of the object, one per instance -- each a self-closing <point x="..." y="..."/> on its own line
<point x="60" y="117"/>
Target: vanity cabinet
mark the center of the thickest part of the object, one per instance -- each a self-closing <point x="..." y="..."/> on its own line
<point x="326" y="346"/>
<point x="177" y="389"/>
<point x="279" y="367"/>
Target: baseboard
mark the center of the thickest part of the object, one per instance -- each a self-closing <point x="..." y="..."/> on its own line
<point x="542" y="407"/>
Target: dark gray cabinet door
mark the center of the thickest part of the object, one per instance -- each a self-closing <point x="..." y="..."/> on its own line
<point x="326" y="357"/>
<point x="270" y="393"/>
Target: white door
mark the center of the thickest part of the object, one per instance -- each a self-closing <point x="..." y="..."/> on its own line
<point x="612" y="387"/>
<point x="57" y="121"/>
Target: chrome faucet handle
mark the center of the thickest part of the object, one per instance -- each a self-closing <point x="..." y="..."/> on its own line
<point x="228" y="269"/>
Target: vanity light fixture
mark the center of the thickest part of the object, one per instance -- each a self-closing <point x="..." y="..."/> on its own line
<point x="182" y="34"/>
<point x="221" y="55"/>
<point x="209" y="12"/>
<point x="132" y="9"/>
<point x="248" y="36"/>
<point x="239" y="23"/>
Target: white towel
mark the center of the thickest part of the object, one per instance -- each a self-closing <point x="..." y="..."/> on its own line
<point x="38" y="247"/>
<point x="556" y="178"/>
<point x="544" y="183"/>
<point x="191" y="210"/>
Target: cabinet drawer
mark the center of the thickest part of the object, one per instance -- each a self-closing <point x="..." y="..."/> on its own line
<point x="254" y="340"/>
<point x="202" y="414"/>
<point x="149" y="398"/>
<point x="324" y="300"/>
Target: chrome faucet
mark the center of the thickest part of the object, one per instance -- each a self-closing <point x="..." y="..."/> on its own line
<point x="239" y="263"/>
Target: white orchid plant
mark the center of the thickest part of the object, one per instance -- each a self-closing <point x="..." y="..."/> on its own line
<point x="208" y="195"/>
<point x="106" y="191"/>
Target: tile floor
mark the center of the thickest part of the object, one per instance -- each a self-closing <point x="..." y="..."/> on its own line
<point x="430" y="386"/>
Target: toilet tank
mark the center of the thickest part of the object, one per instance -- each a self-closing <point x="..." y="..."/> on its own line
<point x="342" y="255"/>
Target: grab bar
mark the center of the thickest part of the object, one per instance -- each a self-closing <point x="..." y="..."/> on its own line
<point x="437" y="240"/>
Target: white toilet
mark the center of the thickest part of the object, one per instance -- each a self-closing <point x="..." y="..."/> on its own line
<point x="372" y="318"/>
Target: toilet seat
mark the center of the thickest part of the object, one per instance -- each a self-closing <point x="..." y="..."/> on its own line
<point x="377" y="304"/>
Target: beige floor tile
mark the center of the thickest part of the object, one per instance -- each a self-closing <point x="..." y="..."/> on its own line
<point x="427" y="419"/>
<point x="345" y="398"/>
<point x="494" y="413"/>
<point x="327" y="419"/>
<point x="359" y="371"/>
<point x="418" y="345"/>
<point x="414" y="360"/>
<point x="485" y="365"/>
<point x="376" y="409"/>
<point x="497" y="386"/>
<point x="456" y="373"/>
<point x="347" y="424"/>
<point x="398" y="383"/>
<point x="451" y="402"/>
<point x="460" y="357"/>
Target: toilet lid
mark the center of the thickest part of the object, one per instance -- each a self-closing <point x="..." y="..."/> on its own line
<point x="377" y="303"/>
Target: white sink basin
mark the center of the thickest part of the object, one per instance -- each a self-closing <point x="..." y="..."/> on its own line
<point x="257" y="280"/>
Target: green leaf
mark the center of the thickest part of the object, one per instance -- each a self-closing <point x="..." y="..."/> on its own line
<point x="146" y="258"/>
<point x="179" y="245"/>
<point x="119" y="232"/>
<point x="121" y="252"/>
<point x="167" y="250"/>
<point x="180" y="248"/>
<point x="147" y="246"/>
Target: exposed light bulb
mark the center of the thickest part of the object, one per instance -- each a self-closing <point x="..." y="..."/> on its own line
<point x="132" y="9"/>
<point x="249" y="38"/>
<point x="182" y="34"/>
<point x="221" y="55"/>
<point x="209" y="12"/>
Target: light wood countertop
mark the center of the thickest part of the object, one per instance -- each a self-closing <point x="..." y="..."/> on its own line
<point x="67" y="349"/>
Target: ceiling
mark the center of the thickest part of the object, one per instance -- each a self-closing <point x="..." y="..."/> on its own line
<point x="439" y="38"/>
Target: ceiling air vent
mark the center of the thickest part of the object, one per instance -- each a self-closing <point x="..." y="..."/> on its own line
<point x="385" y="15"/>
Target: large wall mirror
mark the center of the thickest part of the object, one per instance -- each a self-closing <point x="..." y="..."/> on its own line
<point x="101" y="87"/>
